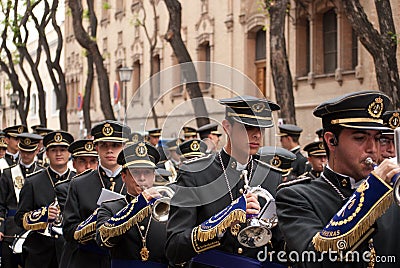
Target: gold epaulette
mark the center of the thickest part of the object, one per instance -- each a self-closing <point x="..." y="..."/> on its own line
<point x="33" y="173"/>
<point x="60" y="182"/>
<point x="298" y="180"/>
<point x="87" y="171"/>
<point x="197" y="159"/>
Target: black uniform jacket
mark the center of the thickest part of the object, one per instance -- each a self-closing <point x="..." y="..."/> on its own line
<point x="8" y="200"/>
<point x="37" y="192"/>
<point x="306" y="207"/>
<point x="129" y="244"/>
<point x="11" y="161"/>
<point x="84" y="191"/>
<point x="182" y="219"/>
<point x="299" y="164"/>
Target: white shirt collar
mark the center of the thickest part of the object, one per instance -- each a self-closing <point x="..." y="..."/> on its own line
<point x="27" y="165"/>
<point x="111" y="174"/>
<point x="15" y="156"/>
<point x="60" y="174"/>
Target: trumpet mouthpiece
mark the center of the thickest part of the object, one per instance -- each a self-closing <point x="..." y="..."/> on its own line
<point x="369" y="161"/>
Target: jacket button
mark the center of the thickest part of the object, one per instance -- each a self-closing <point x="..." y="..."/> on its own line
<point x="240" y="250"/>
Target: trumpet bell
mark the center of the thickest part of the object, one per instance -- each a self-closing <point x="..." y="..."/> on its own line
<point x="161" y="205"/>
<point x="254" y="235"/>
<point x="161" y="209"/>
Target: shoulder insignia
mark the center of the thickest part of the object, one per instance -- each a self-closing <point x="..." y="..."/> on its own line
<point x="34" y="173"/>
<point x="198" y="159"/>
<point x="302" y="179"/>
<point x="87" y="171"/>
<point x="61" y="182"/>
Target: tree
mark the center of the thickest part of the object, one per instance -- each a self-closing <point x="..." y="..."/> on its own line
<point x="382" y="44"/>
<point x="153" y="43"/>
<point x="281" y="74"/>
<point x="90" y="74"/>
<point x="53" y="66"/>
<point x="87" y="42"/>
<point x="174" y="37"/>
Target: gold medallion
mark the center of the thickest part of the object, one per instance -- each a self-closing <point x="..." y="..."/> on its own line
<point x="27" y="141"/>
<point x="20" y="129"/>
<point x="19" y="182"/>
<point x="144" y="253"/>
<point x="258" y="107"/>
<point x="394" y="121"/>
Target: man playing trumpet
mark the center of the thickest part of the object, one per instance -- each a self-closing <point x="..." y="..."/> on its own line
<point x="125" y="225"/>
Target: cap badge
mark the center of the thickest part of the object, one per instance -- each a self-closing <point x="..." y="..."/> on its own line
<point x="58" y="137"/>
<point x="195" y="146"/>
<point x="27" y="141"/>
<point x="89" y="146"/>
<point x="375" y="109"/>
<point x="321" y="146"/>
<point x="258" y="107"/>
<point x="141" y="150"/>
<point x="107" y="130"/>
<point x="20" y="129"/>
<point x="276" y="162"/>
<point x="394" y="120"/>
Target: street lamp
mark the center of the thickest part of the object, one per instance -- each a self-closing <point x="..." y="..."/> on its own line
<point x="125" y="75"/>
<point x="14" y="100"/>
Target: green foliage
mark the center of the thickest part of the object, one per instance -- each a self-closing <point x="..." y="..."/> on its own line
<point x="106" y="5"/>
<point x="394" y="37"/>
<point x="85" y="14"/>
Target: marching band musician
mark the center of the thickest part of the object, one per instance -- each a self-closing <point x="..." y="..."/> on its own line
<point x="12" y="153"/>
<point x="316" y="156"/>
<point x="38" y="209"/>
<point x="125" y="225"/>
<point x="340" y="212"/>
<point x="391" y="119"/>
<point x="84" y="157"/>
<point x="211" y="199"/>
<point x="11" y="183"/>
<point x="80" y="212"/>
<point x="211" y="136"/>
<point x="3" y="145"/>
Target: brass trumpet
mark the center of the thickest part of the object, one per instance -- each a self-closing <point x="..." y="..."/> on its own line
<point x="161" y="205"/>
<point x="258" y="231"/>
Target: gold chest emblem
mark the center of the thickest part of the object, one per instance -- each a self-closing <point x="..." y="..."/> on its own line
<point x="19" y="182"/>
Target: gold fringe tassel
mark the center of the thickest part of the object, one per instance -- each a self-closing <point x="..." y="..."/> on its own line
<point x="33" y="226"/>
<point x="112" y="231"/>
<point x="236" y="215"/>
<point x="324" y="244"/>
<point x="89" y="229"/>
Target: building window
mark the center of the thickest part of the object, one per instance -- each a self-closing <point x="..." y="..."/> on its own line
<point x="330" y="41"/>
<point x="260" y="45"/>
<point x="136" y="80"/>
<point x="260" y="58"/>
<point x="204" y="72"/>
<point x="354" y="50"/>
<point x="156" y="79"/>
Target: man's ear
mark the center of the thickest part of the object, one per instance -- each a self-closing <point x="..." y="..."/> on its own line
<point x="227" y="126"/>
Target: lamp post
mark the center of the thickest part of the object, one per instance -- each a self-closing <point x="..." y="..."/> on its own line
<point x="125" y="75"/>
<point x="14" y="100"/>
